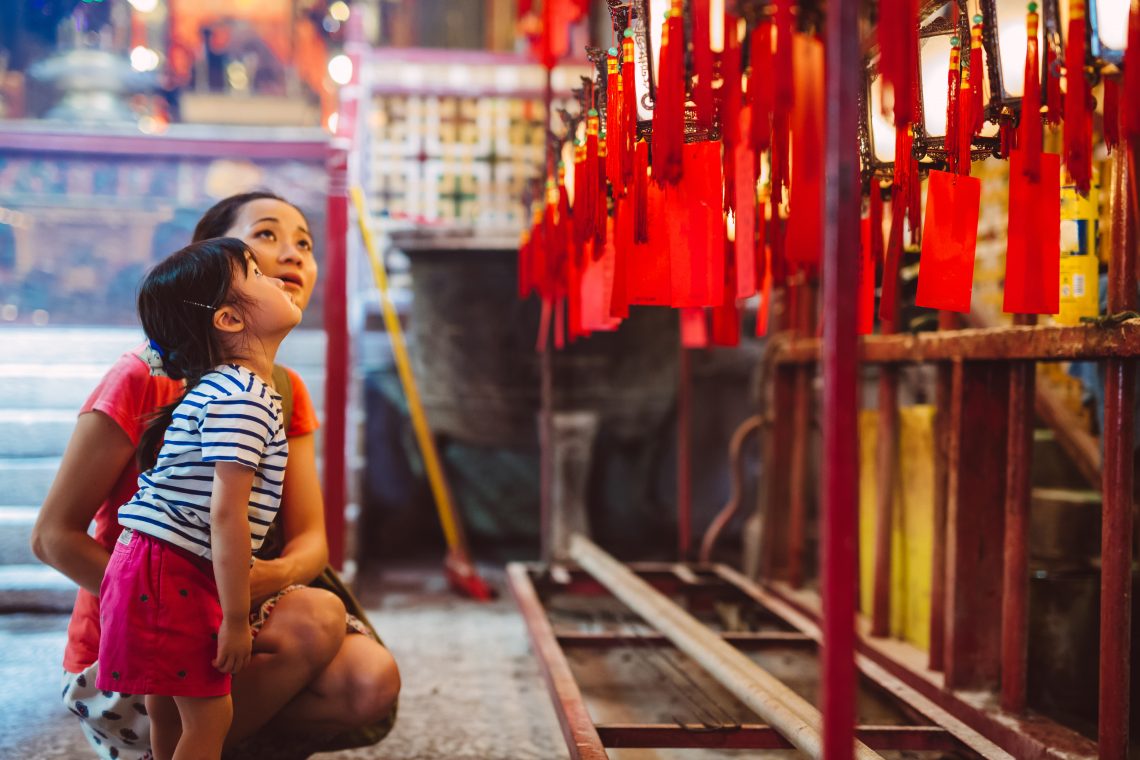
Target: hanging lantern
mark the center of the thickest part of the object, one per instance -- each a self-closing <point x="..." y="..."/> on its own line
<point x="876" y="131"/>
<point x="1106" y="28"/>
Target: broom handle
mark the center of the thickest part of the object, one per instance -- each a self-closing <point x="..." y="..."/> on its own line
<point x="452" y="530"/>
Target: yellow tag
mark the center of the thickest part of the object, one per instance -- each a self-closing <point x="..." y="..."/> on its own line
<point x="1078" y="222"/>
<point x="1080" y="289"/>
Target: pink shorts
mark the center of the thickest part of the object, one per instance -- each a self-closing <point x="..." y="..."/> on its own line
<point x="160" y="617"/>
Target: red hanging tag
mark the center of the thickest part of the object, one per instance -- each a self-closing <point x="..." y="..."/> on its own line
<point x="702" y="62"/>
<point x="953" y="109"/>
<point x="1053" y="107"/>
<point x="1111" y="114"/>
<point x="669" y="107"/>
<point x="898" y="63"/>
<point x="777" y="240"/>
<point x="866" y="301"/>
<point x="1078" y="126"/>
<point x="641" y="193"/>
<point x="761" y="96"/>
<point x="725" y="325"/>
<point x="785" y="26"/>
<point x="805" y="222"/>
<point x="559" y="324"/>
<point x="694" y="223"/>
<point x="542" y="342"/>
<point x="765" y="295"/>
<point x="694" y="328"/>
<point x="744" y="191"/>
<point x="1130" y="116"/>
<point x="615" y="103"/>
<point x="597" y="292"/>
<point x="629" y="108"/>
<point x="1029" y="131"/>
<point x="949" y="242"/>
<point x="876" y="221"/>
<point x="1033" y="256"/>
<point x="649" y="278"/>
<point x="619" y="289"/>
<point x="574" y="295"/>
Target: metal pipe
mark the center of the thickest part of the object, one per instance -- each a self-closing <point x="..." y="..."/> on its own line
<point x="840" y="503"/>
<point x="684" y="453"/>
<point x="1015" y="557"/>
<point x="783" y="709"/>
<point x="1116" y="522"/>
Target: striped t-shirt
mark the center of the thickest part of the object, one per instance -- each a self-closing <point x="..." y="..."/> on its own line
<point x="230" y="416"/>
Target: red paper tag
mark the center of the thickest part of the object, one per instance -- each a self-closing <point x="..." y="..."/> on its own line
<point x="618" y="299"/>
<point x="574" y="293"/>
<point x="694" y="328"/>
<point x="725" y="325"/>
<point x="745" y="208"/>
<point x="597" y="285"/>
<point x="949" y="241"/>
<point x="694" y="222"/>
<point x="1033" y="257"/>
<point x="649" y="280"/>
<point x="804" y="245"/>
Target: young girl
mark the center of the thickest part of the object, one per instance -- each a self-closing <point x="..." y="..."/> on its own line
<point x="175" y="597"/>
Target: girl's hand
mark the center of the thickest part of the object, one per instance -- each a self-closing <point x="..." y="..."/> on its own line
<point x="235" y="642"/>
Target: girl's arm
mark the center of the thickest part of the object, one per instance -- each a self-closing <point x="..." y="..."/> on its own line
<point x="96" y="455"/>
<point x="230" y="545"/>
<point x="303" y="521"/>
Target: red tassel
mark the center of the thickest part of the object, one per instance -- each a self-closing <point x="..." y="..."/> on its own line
<point x="953" y="90"/>
<point x="1029" y="132"/>
<point x="760" y="89"/>
<point x="730" y="106"/>
<point x="586" y="194"/>
<point x="876" y="221"/>
<point x="1007" y="138"/>
<point x="669" y="109"/>
<point x="977" y="78"/>
<point x="566" y="230"/>
<point x="965" y="126"/>
<point x="902" y="203"/>
<point x="641" y="193"/>
<point x="1111" y="113"/>
<point x="1078" y="130"/>
<point x="898" y="42"/>
<point x="628" y="132"/>
<point x="615" y="103"/>
<point x="1053" y="110"/>
<point x="601" y="205"/>
<point x="785" y="28"/>
<point x="1130" y="116"/>
<point x="780" y="174"/>
<point x="702" y="63"/>
<point x="580" y="211"/>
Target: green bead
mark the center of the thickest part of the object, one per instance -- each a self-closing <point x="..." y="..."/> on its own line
<point x="1033" y="7"/>
<point x="954" y="41"/>
<point x="612" y="51"/>
<point x="978" y="19"/>
<point x="627" y="33"/>
<point x="592" y="112"/>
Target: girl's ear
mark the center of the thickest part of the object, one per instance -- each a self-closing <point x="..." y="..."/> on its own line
<point x="227" y="319"/>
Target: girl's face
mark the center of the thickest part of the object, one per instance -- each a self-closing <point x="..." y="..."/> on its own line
<point x="270" y="310"/>
<point x="282" y="243"/>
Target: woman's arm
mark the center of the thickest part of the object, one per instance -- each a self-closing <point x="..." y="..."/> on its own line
<point x="230" y="546"/>
<point x="303" y="521"/>
<point x="95" y="457"/>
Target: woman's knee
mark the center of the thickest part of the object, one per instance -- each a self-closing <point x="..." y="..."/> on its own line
<point x="374" y="682"/>
<point x="307" y="624"/>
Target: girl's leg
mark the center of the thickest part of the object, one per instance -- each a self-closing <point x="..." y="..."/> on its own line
<point x="165" y="726"/>
<point x="205" y="722"/>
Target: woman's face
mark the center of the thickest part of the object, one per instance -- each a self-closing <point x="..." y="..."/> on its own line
<point x="280" y="239"/>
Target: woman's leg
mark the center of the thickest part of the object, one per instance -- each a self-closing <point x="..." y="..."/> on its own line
<point x="358" y="688"/>
<point x="165" y="726"/>
<point x="205" y="722"/>
<point x="300" y="638"/>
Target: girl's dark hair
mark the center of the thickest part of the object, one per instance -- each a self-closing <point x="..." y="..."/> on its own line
<point x="177" y="301"/>
<point x="219" y="219"/>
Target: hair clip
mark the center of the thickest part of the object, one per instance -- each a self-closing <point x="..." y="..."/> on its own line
<point x="202" y="305"/>
<point x="153" y="354"/>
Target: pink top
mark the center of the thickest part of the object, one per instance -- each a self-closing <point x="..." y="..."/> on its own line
<point x="129" y="395"/>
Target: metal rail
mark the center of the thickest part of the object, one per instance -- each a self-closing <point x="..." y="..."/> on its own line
<point x="788" y="713"/>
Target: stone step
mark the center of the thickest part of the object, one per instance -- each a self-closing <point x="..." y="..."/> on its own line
<point x="35" y="588"/>
<point x="16" y="535"/>
<point x="26" y="480"/>
<point x="35" y="432"/>
<point x="38" y="385"/>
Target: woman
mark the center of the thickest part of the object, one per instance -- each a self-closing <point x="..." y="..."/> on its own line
<point x="310" y="686"/>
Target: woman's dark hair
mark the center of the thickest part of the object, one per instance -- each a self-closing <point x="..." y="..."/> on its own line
<point x="219" y="219"/>
<point x="177" y="301"/>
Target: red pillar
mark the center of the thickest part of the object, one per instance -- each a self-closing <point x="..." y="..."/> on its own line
<point x="840" y="376"/>
<point x="336" y="355"/>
